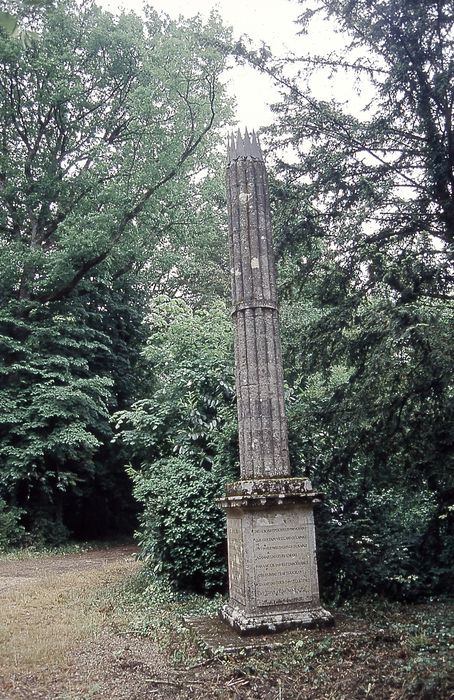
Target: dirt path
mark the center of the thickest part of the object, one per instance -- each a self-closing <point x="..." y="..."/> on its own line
<point x="52" y="646"/>
<point x="16" y="572"/>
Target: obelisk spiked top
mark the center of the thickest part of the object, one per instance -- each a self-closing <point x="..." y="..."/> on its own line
<point x="243" y="146"/>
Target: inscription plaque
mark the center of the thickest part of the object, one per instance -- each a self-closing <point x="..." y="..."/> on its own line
<point x="282" y="562"/>
<point x="236" y="559"/>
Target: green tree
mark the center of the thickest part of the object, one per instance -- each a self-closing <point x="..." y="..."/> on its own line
<point x="365" y="221"/>
<point x="97" y="122"/>
<point x="109" y="134"/>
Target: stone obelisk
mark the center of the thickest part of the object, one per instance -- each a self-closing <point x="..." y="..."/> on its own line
<point x="273" y="580"/>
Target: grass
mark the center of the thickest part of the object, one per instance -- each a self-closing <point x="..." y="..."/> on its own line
<point x="38" y="551"/>
<point x="403" y="652"/>
<point x="41" y="623"/>
<point x="43" y="619"/>
<point x="148" y="606"/>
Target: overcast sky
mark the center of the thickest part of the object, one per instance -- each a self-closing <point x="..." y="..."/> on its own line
<point x="272" y="22"/>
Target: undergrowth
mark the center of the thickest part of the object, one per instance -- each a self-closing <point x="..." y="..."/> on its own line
<point x="36" y="551"/>
<point x="145" y="605"/>
<point x="402" y="652"/>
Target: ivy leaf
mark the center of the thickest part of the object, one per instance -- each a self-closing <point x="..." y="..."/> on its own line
<point x="8" y="23"/>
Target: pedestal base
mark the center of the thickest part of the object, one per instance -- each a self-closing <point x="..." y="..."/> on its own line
<point x="273" y="579"/>
<point x="274" y="622"/>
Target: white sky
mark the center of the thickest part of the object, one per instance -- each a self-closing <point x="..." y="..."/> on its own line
<point x="268" y="21"/>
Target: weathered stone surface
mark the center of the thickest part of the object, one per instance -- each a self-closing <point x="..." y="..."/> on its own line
<point x="219" y="639"/>
<point x="259" y="377"/>
<point x="269" y="487"/>
<point x="274" y="622"/>
<point x="272" y="568"/>
<point x="270" y="526"/>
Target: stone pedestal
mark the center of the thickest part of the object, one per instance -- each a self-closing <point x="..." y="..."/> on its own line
<point x="272" y="562"/>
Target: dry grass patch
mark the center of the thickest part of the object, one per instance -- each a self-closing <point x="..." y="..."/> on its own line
<point x="42" y="620"/>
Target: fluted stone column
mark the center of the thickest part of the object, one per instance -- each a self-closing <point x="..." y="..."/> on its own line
<point x="259" y="378"/>
<point x="273" y="580"/>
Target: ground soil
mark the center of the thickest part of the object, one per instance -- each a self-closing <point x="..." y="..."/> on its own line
<point x="56" y="647"/>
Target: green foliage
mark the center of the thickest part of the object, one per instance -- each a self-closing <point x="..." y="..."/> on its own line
<point x="46" y="531"/>
<point x="182" y="439"/>
<point x="364" y="220"/>
<point x="106" y="125"/>
<point x="112" y="111"/>
<point x="189" y="357"/>
<point x="384" y="526"/>
<point x="370" y="416"/>
<point x="54" y="406"/>
<point x="374" y="540"/>
<point x="183" y="531"/>
<point x="11" y="532"/>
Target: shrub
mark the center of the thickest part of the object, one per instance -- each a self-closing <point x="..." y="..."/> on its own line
<point x="372" y="542"/>
<point x="11" y="532"/>
<point x="182" y="442"/>
<point x="182" y="530"/>
<point x="47" y="532"/>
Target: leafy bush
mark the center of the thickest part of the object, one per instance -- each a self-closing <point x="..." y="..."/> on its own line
<point x="374" y="432"/>
<point x="183" y="531"/>
<point x="182" y="439"/>
<point x="371" y="542"/>
<point x="190" y="398"/>
<point x="11" y="532"/>
<point x="47" y="532"/>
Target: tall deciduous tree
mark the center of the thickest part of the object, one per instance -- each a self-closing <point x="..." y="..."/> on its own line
<point x="108" y="130"/>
